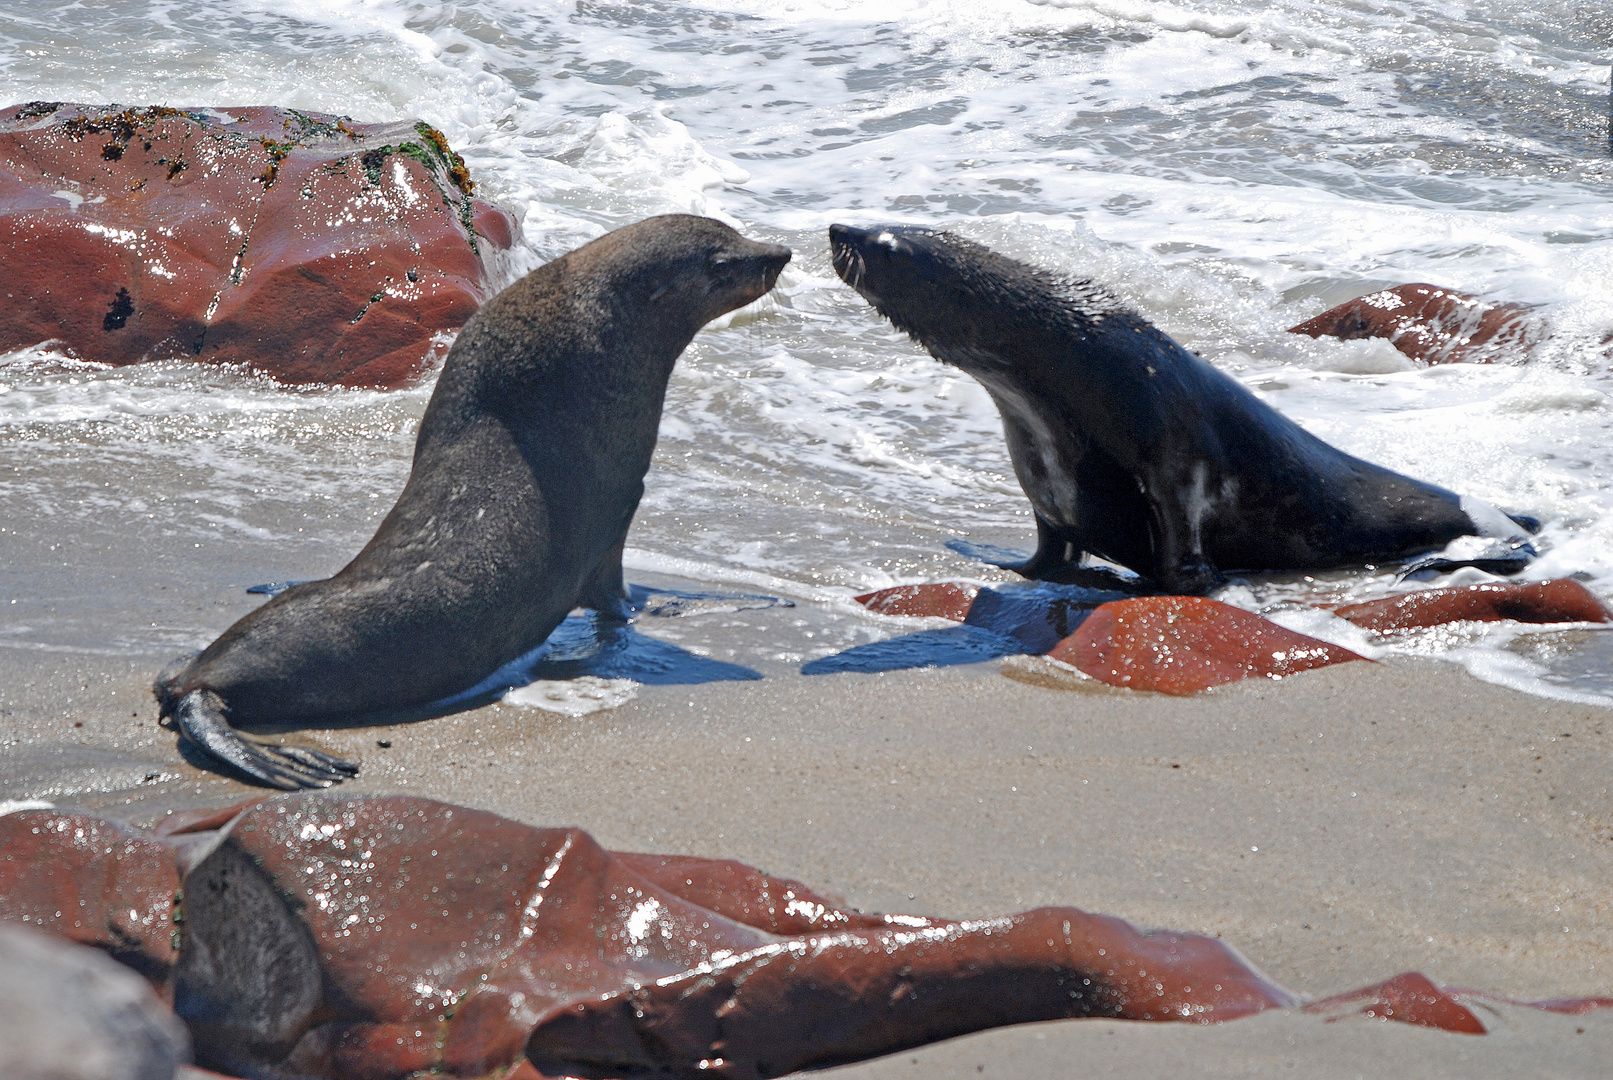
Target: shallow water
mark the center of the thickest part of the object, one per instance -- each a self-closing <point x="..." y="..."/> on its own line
<point x="1228" y="168"/>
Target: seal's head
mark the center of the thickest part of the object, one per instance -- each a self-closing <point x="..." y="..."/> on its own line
<point x="903" y="270"/>
<point x="956" y="297"/>
<point x="681" y="267"/>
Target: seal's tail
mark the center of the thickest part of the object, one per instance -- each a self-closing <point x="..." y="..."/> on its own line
<point x="200" y="717"/>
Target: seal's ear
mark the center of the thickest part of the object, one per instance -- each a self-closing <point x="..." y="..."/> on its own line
<point x="660" y="291"/>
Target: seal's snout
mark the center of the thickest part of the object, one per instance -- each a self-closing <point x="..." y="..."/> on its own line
<point x="774" y="258"/>
<point x="844" y="235"/>
<point x="846" y="252"/>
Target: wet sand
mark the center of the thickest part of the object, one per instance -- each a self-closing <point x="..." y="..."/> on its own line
<point x="1339" y="827"/>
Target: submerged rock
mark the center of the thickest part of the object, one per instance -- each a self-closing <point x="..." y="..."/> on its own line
<point x="945" y="600"/>
<point x="1433" y="325"/>
<point x="1184" y="644"/>
<point x="1558" y="601"/>
<point x="300" y="245"/>
<point x="1409" y="998"/>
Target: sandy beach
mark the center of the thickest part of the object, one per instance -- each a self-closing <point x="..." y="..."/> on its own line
<point x="1338" y="828"/>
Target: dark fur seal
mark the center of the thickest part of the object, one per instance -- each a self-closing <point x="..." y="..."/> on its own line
<point x="528" y="466"/>
<point x="1132" y="448"/>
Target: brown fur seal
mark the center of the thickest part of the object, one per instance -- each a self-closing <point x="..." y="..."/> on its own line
<point x="1135" y="450"/>
<point x="528" y="466"/>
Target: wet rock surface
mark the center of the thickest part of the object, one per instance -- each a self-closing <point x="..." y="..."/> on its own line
<point x="380" y="937"/>
<point x="1168" y="644"/>
<point x="304" y="246"/>
<point x="945" y="600"/>
<point x="1184" y="644"/>
<point x="1433" y="325"/>
<point x="1558" y="601"/>
<point x="1410" y="998"/>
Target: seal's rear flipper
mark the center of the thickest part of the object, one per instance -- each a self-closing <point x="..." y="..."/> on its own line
<point x="1038" y="568"/>
<point x="200" y="717"/>
<point x="1527" y="523"/>
<point x="1493" y="556"/>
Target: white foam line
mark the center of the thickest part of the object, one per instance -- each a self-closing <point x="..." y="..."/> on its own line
<point x="1516" y="673"/>
<point x="700" y="570"/>
<point x="17" y="806"/>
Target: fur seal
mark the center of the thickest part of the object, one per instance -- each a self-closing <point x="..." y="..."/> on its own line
<point x="528" y="467"/>
<point x="1135" y="450"/>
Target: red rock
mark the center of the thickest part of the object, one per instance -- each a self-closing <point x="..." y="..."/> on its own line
<point x="94" y="882"/>
<point x="842" y="997"/>
<point x="1432" y="325"/>
<point x="1409" y="998"/>
<point x="1184" y="644"/>
<point x="1038" y="616"/>
<point x="948" y="600"/>
<point x="1561" y="600"/>
<point x="300" y="245"/>
<point x="1572" y="1006"/>
<point x="187" y="822"/>
<point x="1564" y="1006"/>
<point x="746" y="895"/>
<point x="363" y="939"/>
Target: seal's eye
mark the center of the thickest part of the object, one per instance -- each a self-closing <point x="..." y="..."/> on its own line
<point x="890" y="240"/>
<point x="721" y="262"/>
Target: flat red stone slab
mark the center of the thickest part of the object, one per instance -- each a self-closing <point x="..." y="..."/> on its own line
<point x="1432" y="325"/>
<point x="1409" y="998"/>
<point x="1559" y="601"/>
<point x="362" y="938"/>
<point x="947" y="600"/>
<point x="1184" y="644"/>
<point x="301" y="245"/>
<point x="828" y="999"/>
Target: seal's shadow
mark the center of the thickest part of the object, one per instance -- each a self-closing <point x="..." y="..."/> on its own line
<point x="588" y="643"/>
<point x="1011" y="619"/>
<point x="946" y="647"/>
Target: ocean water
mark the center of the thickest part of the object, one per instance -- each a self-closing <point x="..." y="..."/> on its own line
<point x="1230" y="169"/>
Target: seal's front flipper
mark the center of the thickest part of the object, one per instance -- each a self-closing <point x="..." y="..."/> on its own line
<point x="274" y="588"/>
<point x="990" y="554"/>
<point x="1193" y="575"/>
<point x="200" y="717"/>
<point x="1100" y="578"/>
<point x="1053" y="552"/>
<point x="605" y="592"/>
<point x="1050" y="565"/>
